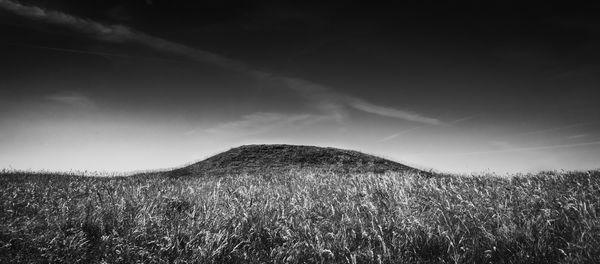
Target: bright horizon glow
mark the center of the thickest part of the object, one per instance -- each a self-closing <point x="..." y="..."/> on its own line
<point x="97" y="143"/>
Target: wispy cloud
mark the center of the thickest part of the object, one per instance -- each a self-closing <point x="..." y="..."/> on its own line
<point x="79" y="51"/>
<point x="395" y="135"/>
<point x="262" y="122"/>
<point x="72" y="99"/>
<point x="320" y="97"/>
<point x="325" y="99"/>
<point x="392" y="112"/>
<point x="119" y="34"/>
<point x="555" y="128"/>
<point x="502" y="145"/>
<point x="390" y="137"/>
<point x="577" y="136"/>
<point x="509" y="150"/>
<point x="334" y="103"/>
<point x="463" y="119"/>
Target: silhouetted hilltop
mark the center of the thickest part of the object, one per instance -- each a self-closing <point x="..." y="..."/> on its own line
<point x="270" y="158"/>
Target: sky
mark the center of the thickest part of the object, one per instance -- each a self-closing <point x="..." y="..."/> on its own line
<point x="461" y="87"/>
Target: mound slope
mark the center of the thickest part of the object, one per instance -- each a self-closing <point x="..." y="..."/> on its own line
<point x="273" y="158"/>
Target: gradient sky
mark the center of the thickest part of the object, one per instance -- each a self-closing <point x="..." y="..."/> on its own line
<point x="146" y="84"/>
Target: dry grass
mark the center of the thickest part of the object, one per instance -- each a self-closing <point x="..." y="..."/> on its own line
<point x="301" y="217"/>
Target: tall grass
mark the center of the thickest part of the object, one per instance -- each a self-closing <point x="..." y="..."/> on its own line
<point x="300" y="217"/>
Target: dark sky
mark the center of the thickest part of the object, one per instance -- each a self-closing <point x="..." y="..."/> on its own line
<point x="460" y="86"/>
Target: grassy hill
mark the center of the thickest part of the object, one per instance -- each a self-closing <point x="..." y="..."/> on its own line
<point x="301" y="215"/>
<point x="281" y="158"/>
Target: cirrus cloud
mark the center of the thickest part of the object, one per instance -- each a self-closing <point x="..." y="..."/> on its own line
<point x="262" y="122"/>
<point x="72" y="99"/>
<point x="326" y="100"/>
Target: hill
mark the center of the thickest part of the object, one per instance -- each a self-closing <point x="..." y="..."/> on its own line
<point x="277" y="158"/>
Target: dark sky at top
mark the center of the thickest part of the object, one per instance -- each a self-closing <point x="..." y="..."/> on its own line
<point x="141" y="84"/>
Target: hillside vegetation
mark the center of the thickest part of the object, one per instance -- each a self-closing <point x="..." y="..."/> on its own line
<point x="282" y="158"/>
<point x="300" y="216"/>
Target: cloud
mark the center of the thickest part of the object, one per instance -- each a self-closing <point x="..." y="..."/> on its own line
<point x="577" y="136"/>
<point x="395" y="135"/>
<point x="463" y="119"/>
<point x="262" y="122"/>
<point x="59" y="18"/>
<point x="390" y="137"/>
<point x="503" y="145"/>
<point x="323" y="98"/>
<point x="332" y="102"/>
<point x="120" y="33"/>
<point x="392" y="112"/>
<point x="78" y="51"/>
<point x="552" y="129"/>
<point x="72" y="99"/>
<point x="508" y="150"/>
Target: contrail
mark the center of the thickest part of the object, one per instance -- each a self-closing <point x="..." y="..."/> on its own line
<point x="463" y="119"/>
<point x="555" y="128"/>
<point x="530" y="148"/>
<point x="391" y="112"/>
<point x="395" y="135"/>
<point x="78" y="51"/>
<point x="323" y="97"/>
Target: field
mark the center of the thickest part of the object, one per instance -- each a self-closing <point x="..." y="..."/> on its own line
<point x="301" y="216"/>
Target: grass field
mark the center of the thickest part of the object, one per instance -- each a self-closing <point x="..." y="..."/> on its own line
<point x="301" y="217"/>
